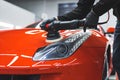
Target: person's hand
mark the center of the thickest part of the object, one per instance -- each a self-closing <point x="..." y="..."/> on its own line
<point x="44" y="24"/>
<point x="91" y="20"/>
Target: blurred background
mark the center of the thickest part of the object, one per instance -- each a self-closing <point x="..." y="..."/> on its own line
<point x="19" y="13"/>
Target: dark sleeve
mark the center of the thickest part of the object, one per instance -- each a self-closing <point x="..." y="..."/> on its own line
<point x="80" y="12"/>
<point x="103" y="6"/>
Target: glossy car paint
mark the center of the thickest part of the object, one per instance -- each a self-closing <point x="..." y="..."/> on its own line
<point x="17" y="48"/>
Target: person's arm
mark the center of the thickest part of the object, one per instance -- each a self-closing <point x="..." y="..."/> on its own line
<point x="104" y="5"/>
<point x="80" y="12"/>
<point x="100" y="8"/>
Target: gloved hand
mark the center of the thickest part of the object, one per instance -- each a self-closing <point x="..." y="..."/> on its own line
<point x="91" y="20"/>
<point x="44" y="24"/>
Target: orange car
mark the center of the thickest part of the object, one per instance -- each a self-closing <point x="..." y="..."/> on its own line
<point x="25" y="55"/>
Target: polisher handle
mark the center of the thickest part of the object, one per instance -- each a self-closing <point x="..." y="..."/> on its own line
<point x="65" y="25"/>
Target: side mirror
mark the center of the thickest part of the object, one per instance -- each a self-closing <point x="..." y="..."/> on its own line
<point x="110" y="30"/>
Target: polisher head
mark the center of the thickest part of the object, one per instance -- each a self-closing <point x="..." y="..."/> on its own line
<point x="53" y="36"/>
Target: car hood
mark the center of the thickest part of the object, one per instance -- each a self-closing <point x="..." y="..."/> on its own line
<point x="21" y="40"/>
<point x="18" y="46"/>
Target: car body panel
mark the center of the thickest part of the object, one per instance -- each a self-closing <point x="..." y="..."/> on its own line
<point x="17" y="48"/>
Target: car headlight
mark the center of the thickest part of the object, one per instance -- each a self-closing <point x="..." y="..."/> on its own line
<point x="61" y="49"/>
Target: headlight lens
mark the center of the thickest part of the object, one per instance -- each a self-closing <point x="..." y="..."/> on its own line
<point x="61" y="49"/>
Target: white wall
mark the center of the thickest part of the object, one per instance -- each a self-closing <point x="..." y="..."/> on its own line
<point x="12" y="14"/>
<point x="50" y="7"/>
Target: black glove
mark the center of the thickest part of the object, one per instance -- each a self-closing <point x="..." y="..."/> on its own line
<point x="91" y="20"/>
<point x="48" y="21"/>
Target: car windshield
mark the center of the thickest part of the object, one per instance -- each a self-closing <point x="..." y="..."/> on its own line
<point x="6" y="28"/>
<point x="34" y="25"/>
